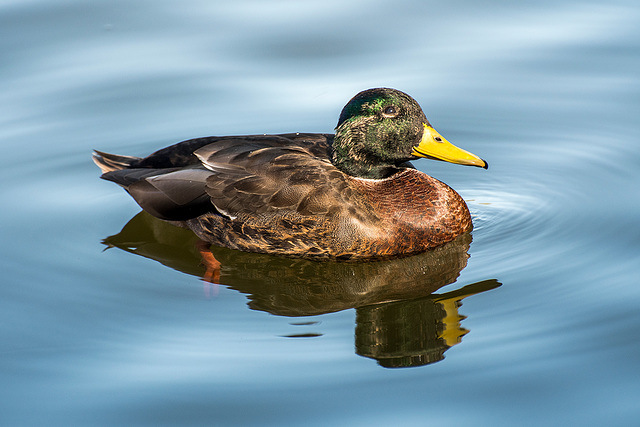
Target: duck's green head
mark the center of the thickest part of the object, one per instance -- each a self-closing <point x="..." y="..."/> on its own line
<point x="379" y="129"/>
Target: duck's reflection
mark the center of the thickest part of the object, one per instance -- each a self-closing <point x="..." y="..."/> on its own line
<point x="400" y="321"/>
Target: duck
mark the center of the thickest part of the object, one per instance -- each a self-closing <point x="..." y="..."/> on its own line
<point x="351" y="195"/>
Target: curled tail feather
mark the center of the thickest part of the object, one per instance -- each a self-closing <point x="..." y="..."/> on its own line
<point x="112" y="162"/>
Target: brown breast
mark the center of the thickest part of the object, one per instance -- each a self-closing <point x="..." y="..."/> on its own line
<point x="415" y="211"/>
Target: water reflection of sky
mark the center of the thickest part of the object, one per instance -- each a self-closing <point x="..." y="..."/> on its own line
<point x="547" y="92"/>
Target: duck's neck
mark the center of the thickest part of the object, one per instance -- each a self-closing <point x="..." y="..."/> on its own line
<point x="349" y="154"/>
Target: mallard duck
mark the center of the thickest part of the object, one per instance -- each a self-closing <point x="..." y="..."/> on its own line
<point x="352" y="195"/>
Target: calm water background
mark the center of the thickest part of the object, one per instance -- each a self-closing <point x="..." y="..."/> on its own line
<point x="547" y="92"/>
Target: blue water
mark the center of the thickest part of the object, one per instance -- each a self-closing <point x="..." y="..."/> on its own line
<point x="106" y="322"/>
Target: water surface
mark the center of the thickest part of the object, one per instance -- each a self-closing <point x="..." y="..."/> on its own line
<point x="528" y="321"/>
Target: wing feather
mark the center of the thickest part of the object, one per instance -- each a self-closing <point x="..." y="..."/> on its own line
<point x="271" y="176"/>
<point x="239" y="176"/>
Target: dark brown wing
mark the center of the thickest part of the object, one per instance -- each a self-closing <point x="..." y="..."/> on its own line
<point x="238" y="176"/>
<point x="292" y="174"/>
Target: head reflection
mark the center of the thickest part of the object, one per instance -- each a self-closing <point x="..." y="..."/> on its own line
<point x="413" y="333"/>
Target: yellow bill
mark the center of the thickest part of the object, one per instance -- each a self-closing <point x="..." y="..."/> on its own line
<point x="434" y="146"/>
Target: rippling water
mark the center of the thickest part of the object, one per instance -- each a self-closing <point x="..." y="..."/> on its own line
<point x="529" y="321"/>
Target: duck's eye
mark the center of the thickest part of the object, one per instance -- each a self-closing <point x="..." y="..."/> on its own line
<point x="390" y="111"/>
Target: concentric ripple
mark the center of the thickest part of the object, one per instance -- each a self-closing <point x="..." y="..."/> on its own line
<point x="512" y="229"/>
